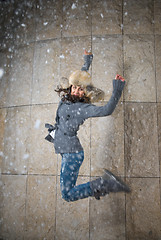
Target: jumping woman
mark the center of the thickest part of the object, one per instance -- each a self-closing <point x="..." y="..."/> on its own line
<point x="77" y="95"/>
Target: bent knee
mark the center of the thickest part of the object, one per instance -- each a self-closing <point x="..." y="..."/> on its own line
<point x="66" y="197"/>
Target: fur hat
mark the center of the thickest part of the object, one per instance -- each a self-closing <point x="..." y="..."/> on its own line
<point x="82" y="78"/>
<point x="63" y="84"/>
<point x="95" y="94"/>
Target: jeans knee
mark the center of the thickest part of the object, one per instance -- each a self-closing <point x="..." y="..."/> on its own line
<point x="66" y="197"/>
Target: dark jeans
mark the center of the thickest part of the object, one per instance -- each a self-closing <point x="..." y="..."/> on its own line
<point x="70" y="166"/>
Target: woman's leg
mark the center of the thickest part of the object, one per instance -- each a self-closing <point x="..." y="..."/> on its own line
<point x="70" y="166"/>
<point x="101" y="186"/>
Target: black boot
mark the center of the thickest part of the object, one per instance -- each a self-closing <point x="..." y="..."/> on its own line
<point x="106" y="184"/>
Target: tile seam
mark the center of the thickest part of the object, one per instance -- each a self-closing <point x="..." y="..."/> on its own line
<point x="123" y="66"/>
<point x="89" y="201"/>
<point x="155" y="69"/>
<point x="44" y="104"/>
<point x="82" y="36"/>
<point x="159" y="156"/>
<point x="84" y="176"/>
<point x="28" y="105"/>
<point x="56" y="198"/>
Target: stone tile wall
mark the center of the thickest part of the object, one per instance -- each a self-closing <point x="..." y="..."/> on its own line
<point x="40" y="41"/>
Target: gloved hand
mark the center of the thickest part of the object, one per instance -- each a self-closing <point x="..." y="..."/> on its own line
<point x="87" y="53"/>
<point x="51" y="130"/>
<point x="118" y="85"/>
<point x="50" y="127"/>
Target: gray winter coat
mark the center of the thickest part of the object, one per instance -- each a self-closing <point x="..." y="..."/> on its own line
<point x="71" y="115"/>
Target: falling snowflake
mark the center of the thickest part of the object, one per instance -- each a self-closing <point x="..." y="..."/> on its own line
<point x="37" y="124"/>
<point x="1" y="73"/>
<point x="1" y="154"/>
<point x="26" y="156"/>
<point x="23" y="25"/>
<point x="101" y="15"/>
<point x="73" y="6"/>
<point x="62" y="56"/>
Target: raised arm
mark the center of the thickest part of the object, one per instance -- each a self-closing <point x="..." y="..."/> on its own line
<point x="96" y="111"/>
<point x="88" y="57"/>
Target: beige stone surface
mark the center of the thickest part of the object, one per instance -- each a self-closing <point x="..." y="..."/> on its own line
<point x="141" y="140"/>
<point x="76" y="18"/>
<point x="143" y="218"/>
<point x="157" y="16"/>
<point x="46" y="70"/>
<point x="2" y="134"/>
<point x="107" y="143"/>
<point x="24" y="22"/>
<point x="13" y="192"/>
<point x="106" y="17"/>
<point x="20" y="76"/>
<point x="159" y="133"/>
<point x="107" y="61"/>
<point x="72" y="54"/>
<point x="158" y="64"/>
<point x="40" y="207"/>
<point x="6" y="43"/>
<point x="139" y="70"/>
<point x="72" y="217"/>
<point x="41" y="41"/>
<point x="4" y="66"/>
<point x="48" y="19"/>
<point x="15" y="140"/>
<point x="138" y="17"/>
<point x="42" y="157"/>
<point x="107" y="217"/>
<point x="1" y="204"/>
<point x="6" y="24"/>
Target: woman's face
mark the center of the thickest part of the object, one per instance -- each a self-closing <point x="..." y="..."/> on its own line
<point x="77" y="91"/>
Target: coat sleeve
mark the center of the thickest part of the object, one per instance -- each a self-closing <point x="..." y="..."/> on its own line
<point x="87" y="62"/>
<point x="90" y="110"/>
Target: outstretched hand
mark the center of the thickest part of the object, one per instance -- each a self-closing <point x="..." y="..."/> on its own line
<point x="87" y="53"/>
<point x="119" y="77"/>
